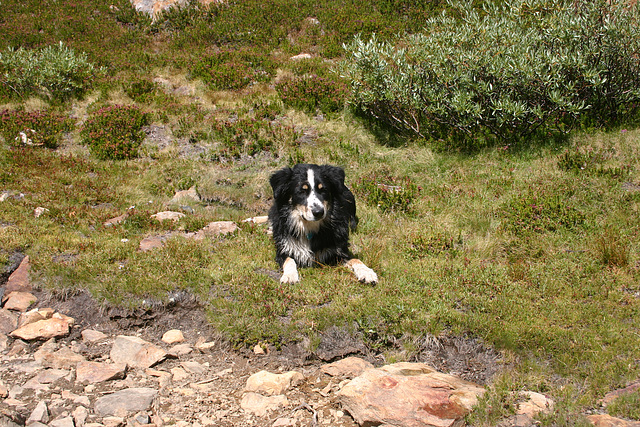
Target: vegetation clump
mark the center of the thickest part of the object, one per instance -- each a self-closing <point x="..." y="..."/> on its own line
<point x="39" y="127"/>
<point x="115" y="132"/>
<point x="505" y="73"/>
<point x="55" y="72"/>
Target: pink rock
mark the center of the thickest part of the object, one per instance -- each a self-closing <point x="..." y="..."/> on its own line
<point x="19" y="279"/>
<point x="19" y="301"/>
<point x="430" y="399"/>
<point x="95" y="372"/>
<point x="349" y="367"/>
<point x="42" y="330"/>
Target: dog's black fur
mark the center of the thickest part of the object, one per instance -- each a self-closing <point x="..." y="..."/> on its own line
<point x="311" y="217"/>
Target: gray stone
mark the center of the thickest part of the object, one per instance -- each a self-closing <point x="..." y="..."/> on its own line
<point x="129" y="400"/>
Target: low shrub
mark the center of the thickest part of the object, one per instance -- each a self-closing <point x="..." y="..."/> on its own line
<point x="40" y="127"/>
<point x="593" y="163"/>
<point x="233" y="70"/>
<point x="511" y="71"/>
<point x="250" y="136"/>
<point x="431" y="244"/>
<point x="387" y="193"/>
<point x="115" y="132"/>
<point x="539" y="212"/>
<point x="313" y="93"/>
<point x="55" y="72"/>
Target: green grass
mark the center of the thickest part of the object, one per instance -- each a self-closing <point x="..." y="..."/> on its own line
<point x="523" y="248"/>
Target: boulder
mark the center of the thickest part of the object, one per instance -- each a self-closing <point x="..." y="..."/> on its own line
<point x="387" y="396"/>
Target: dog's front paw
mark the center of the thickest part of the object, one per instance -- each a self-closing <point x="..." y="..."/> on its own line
<point x="290" y="272"/>
<point x="366" y="275"/>
<point x="290" y="277"/>
<point x="363" y="273"/>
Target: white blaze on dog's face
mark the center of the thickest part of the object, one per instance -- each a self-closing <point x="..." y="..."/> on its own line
<point x="310" y="200"/>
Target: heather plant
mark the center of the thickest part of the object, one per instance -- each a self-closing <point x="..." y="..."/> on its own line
<point x="39" y="127"/>
<point x="233" y="70"/>
<point x="313" y="93"/>
<point x="388" y="193"/>
<point x="55" y="72"/>
<point x="250" y="136"/>
<point x="114" y="132"/>
<point x="505" y="73"/>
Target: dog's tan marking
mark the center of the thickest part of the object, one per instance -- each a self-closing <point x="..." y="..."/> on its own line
<point x="289" y="272"/>
<point x="363" y="273"/>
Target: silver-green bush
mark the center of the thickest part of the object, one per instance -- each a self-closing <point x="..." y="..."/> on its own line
<point x="55" y="72"/>
<point x="503" y="72"/>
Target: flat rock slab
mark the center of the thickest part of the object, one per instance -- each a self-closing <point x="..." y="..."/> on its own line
<point x="42" y="329"/>
<point x="128" y="400"/>
<point x="97" y="372"/>
<point x="416" y="400"/>
<point x="136" y="352"/>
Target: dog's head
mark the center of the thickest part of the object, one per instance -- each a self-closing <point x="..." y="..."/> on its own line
<point x="308" y="189"/>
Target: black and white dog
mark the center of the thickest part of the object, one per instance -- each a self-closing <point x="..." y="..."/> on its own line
<point x="312" y="214"/>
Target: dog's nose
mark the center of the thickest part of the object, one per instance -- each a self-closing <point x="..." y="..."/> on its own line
<point x="317" y="211"/>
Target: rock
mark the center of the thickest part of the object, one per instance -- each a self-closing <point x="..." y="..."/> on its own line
<point x="611" y="396"/>
<point x="49" y="376"/>
<point x="136" y="352"/>
<point x="80" y="415"/>
<point x="194" y="367"/>
<point x="40" y="414"/>
<point x="191" y="194"/>
<point x="270" y="384"/>
<point x="65" y="358"/>
<point x="216" y="228"/>
<point x="96" y="372"/>
<point x="257" y="349"/>
<point x="407" y="369"/>
<point x="429" y="399"/>
<point x="533" y="404"/>
<point x="19" y="301"/>
<point x="8" y="321"/>
<point x="19" y="279"/>
<point x="179" y="374"/>
<point x="605" y="420"/>
<point x="89" y="335"/>
<point x="180" y="350"/>
<point x="168" y="215"/>
<point x="62" y="422"/>
<point x="42" y="330"/>
<point x="257" y="219"/>
<point x="349" y="367"/>
<point x="259" y="405"/>
<point x="39" y="211"/>
<point x="152" y="242"/>
<point x="116" y="220"/>
<point x="173" y="336"/>
<point x="155" y="7"/>
<point x="33" y="316"/>
<point x="129" y="400"/>
<point x="301" y="56"/>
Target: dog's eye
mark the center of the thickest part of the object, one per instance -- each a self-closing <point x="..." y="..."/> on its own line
<point x="320" y="186"/>
<point x="305" y="187"/>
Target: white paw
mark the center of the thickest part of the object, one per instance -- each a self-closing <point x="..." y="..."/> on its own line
<point x="366" y="275"/>
<point x="289" y="272"/>
<point x="290" y="277"/>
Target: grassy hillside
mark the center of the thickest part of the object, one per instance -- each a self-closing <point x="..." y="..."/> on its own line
<point x="532" y="250"/>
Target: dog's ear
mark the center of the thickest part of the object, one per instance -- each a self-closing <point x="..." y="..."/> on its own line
<point x="333" y="174"/>
<point x="280" y="183"/>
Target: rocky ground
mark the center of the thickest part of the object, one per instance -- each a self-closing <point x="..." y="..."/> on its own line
<point x="65" y="361"/>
